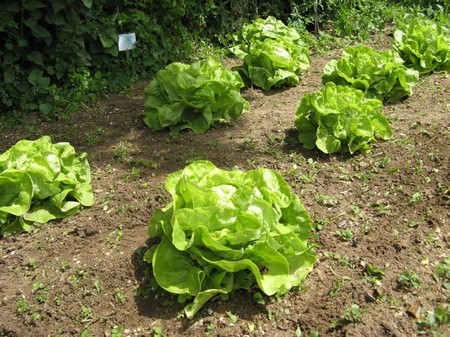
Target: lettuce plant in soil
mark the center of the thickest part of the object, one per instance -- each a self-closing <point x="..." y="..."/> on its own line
<point x="41" y="181"/>
<point x="228" y="230"/>
<point x="274" y="55"/>
<point x="183" y="96"/>
<point x="423" y="44"/>
<point x="380" y="75"/>
<point x="340" y="119"/>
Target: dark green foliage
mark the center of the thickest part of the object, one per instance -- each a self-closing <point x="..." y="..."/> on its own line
<point x="63" y="51"/>
<point x="358" y="18"/>
<point x="45" y="44"/>
<point x="56" y="54"/>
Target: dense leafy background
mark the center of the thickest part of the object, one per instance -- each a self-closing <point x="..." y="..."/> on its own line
<point x="56" y="54"/>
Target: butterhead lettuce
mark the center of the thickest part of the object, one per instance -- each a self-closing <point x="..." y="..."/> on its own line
<point x="423" y="44"/>
<point x="380" y="75"/>
<point x="227" y="230"/>
<point x="183" y="96"/>
<point x="273" y="54"/>
<point x="41" y="181"/>
<point x="340" y="119"/>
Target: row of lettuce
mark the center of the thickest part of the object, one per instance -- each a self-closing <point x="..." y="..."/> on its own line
<point x="229" y="230"/>
<point x="345" y="116"/>
<point x="222" y="231"/>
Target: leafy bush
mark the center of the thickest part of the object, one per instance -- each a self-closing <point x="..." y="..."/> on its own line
<point x="41" y="181"/>
<point x="357" y="20"/>
<point x="183" y="96"/>
<point x="340" y="119"/>
<point x="424" y="44"/>
<point x="273" y="54"/>
<point x="58" y="53"/>
<point x="380" y="75"/>
<point x="227" y="230"/>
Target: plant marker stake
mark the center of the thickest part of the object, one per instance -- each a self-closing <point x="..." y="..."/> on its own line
<point x="127" y="41"/>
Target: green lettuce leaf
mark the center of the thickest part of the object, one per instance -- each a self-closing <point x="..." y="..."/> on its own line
<point x="41" y="181"/>
<point x="380" y="75"/>
<point x="195" y="96"/>
<point x="273" y="54"/>
<point x="340" y="119"/>
<point x="228" y="230"/>
<point x="423" y="44"/>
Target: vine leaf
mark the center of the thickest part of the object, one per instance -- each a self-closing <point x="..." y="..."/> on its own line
<point x="87" y="3"/>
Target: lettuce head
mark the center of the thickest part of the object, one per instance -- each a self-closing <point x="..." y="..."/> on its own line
<point x="380" y="75"/>
<point x="41" y="181"/>
<point x="228" y="230"/>
<point x="183" y="96"/>
<point x="340" y="119"/>
<point x="424" y="44"/>
<point x="273" y="54"/>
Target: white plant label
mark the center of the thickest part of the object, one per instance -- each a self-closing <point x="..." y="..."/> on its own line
<point x="127" y="41"/>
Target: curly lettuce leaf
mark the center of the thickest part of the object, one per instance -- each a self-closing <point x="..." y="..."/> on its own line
<point x="228" y="230"/>
<point x="340" y="119"/>
<point x="380" y="75"/>
<point x="195" y="96"/>
<point x="423" y="44"/>
<point x="273" y="54"/>
<point x="41" y="181"/>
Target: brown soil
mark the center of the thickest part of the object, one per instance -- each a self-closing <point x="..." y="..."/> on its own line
<point x="93" y="278"/>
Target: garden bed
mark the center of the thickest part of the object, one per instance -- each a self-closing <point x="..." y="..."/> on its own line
<point x="381" y="224"/>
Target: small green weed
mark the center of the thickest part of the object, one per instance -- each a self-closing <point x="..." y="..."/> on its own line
<point x="409" y="279"/>
<point x="64" y="266"/>
<point x="85" y="315"/>
<point x="41" y="292"/>
<point x="337" y="285"/>
<point x="158" y="331"/>
<point x="94" y="137"/>
<point x="121" y="151"/>
<point x="319" y="224"/>
<point x="115" y="237"/>
<point x="117" y="331"/>
<point x="416" y="198"/>
<point x="78" y="276"/>
<point x="86" y="333"/>
<point x="442" y="271"/>
<point x="326" y="200"/>
<point x="432" y="320"/>
<point x="98" y="286"/>
<point x="373" y="274"/>
<point x="258" y="297"/>
<point x="35" y="317"/>
<point x="119" y="297"/>
<point x="382" y="208"/>
<point x="22" y="306"/>
<point x="58" y="300"/>
<point x="31" y="265"/>
<point x="146" y="163"/>
<point x="352" y="315"/>
<point x="346" y="235"/>
<point x="232" y="318"/>
<point x="210" y="328"/>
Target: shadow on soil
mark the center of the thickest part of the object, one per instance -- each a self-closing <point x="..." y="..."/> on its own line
<point x="291" y="145"/>
<point x="157" y="303"/>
